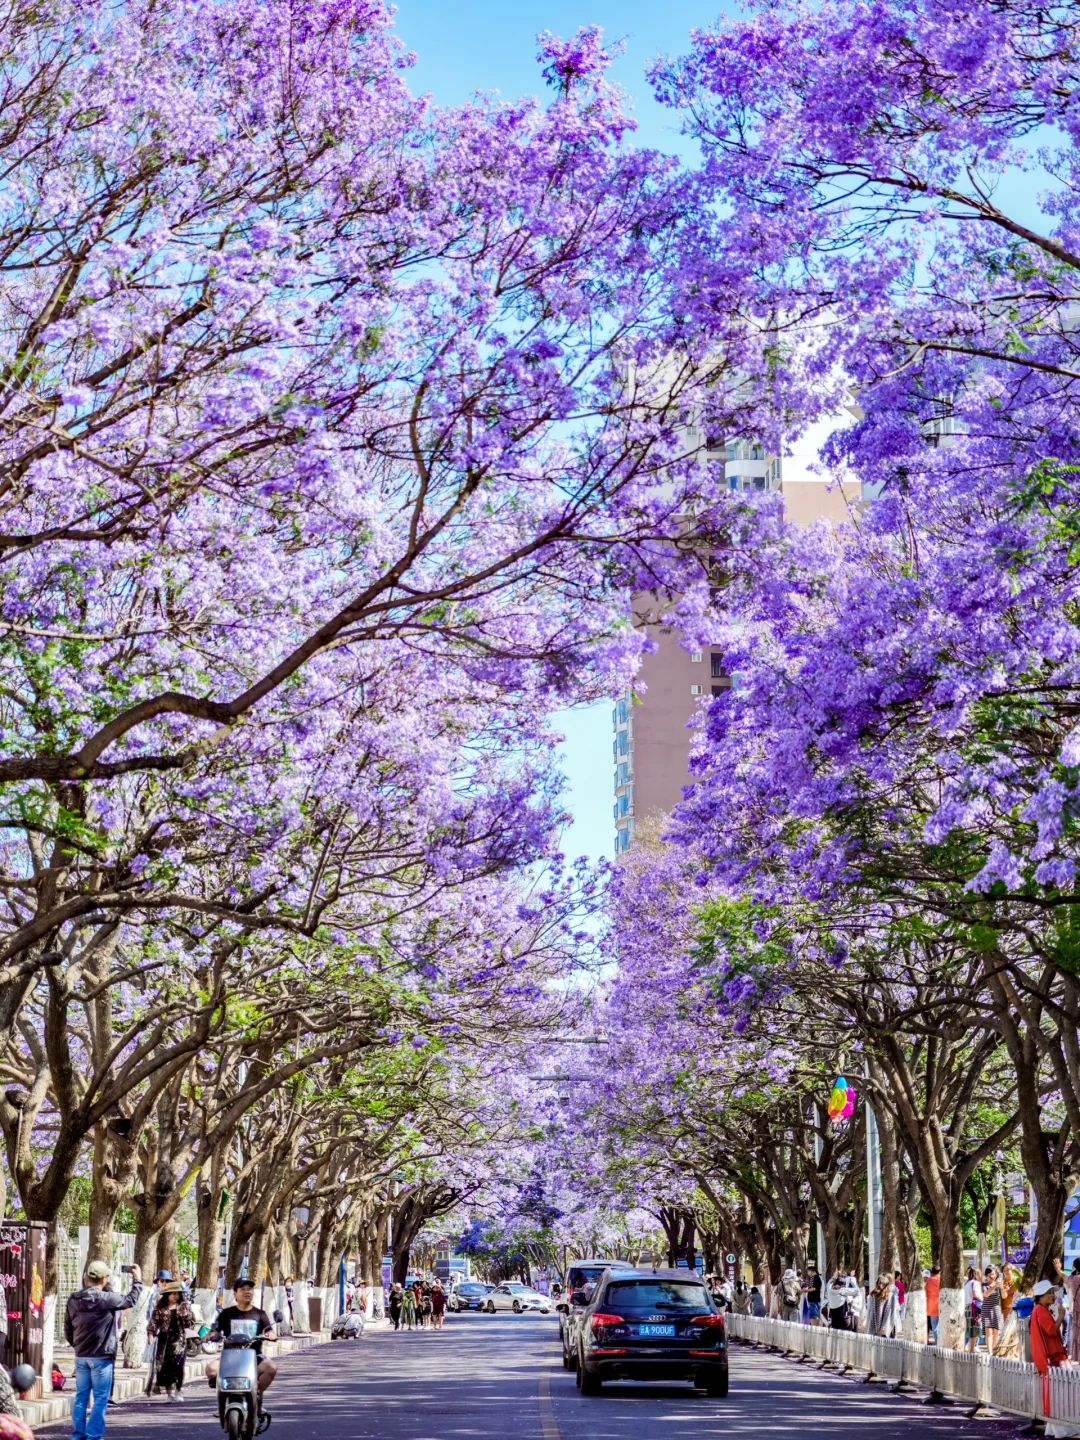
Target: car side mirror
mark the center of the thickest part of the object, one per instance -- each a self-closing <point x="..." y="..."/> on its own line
<point x="562" y="1305"/>
<point x="579" y="1297"/>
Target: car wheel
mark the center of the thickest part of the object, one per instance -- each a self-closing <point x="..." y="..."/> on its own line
<point x="517" y="1307"/>
<point x="588" y="1383"/>
<point x="491" y="1307"/>
<point x="717" y="1389"/>
<point x="566" y="1361"/>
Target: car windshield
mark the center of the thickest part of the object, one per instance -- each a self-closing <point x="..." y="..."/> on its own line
<point x="581" y="1275"/>
<point x="515" y="1287"/>
<point x="657" y="1295"/>
<point x="471" y="1289"/>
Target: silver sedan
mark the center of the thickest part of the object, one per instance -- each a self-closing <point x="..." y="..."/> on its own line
<point x="512" y="1295"/>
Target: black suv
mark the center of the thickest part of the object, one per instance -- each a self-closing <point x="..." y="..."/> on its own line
<point x="652" y="1325"/>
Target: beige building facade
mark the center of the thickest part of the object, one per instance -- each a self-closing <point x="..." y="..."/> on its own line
<point x="651" y="744"/>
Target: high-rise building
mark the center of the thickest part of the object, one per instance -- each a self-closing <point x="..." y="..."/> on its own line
<point x="651" y="736"/>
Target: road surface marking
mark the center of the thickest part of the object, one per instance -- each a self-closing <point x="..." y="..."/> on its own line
<point x="548" y="1425"/>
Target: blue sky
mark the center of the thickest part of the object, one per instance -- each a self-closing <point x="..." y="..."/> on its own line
<point x="475" y="45"/>
<point x="472" y="45"/>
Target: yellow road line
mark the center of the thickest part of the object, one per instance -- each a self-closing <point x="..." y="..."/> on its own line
<point x="548" y="1426"/>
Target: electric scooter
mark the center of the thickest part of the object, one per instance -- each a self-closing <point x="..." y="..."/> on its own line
<point x="237" y="1388"/>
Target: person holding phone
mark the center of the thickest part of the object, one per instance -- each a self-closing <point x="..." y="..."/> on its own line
<point x="90" y="1329"/>
<point x="245" y="1318"/>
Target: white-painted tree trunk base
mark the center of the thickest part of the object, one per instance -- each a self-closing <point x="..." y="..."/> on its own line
<point x="204" y="1303"/>
<point x="329" y="1295"/>
<point x="135" y="1336"/>
<point x="915" y="1316"/>
<point x="952" y="1322"/>
<point x="301" y="1315"/>
<point x="48" y="1342"/>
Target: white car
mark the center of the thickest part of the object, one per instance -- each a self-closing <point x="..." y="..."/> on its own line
<point x="513" y="1296"/>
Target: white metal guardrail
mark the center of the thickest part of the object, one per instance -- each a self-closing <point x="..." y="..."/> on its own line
<point x="1013" y="1385"/>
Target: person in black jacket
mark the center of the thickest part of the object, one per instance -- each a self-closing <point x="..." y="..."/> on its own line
<point x="90" y="1329"/>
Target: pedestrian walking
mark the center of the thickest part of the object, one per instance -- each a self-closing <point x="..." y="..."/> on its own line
<point x="757" y="1303"/>
<point x="740" y="1303"/>
<point x="856" y="1299"/>
<point x="426" y="1308"/>
<point x="170" y="1320"/>
<point x="790" y="1297"/>
<point x="992" y="1318"/>
<point x="1047" y="1350"/>
<point x="901" y="1295"/>
<point x="812" y="1290"/>
<point x="395" y="1304"/>
<point x="973" y="1298"/>
<point x="438" y="1306"/>
<point x="408" y="1307"/>
<point x="838" y="1304"/>
<point x="932" y="1287"/>
<point x="882" y="1312"/>
<point x="90" y="1330"/>
<point x="1072" y="1285"/>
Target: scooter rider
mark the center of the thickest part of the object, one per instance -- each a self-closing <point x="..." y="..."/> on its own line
<point x="244" y="1318"/>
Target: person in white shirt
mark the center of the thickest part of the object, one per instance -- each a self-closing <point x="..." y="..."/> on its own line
<point x="973" y="1301"/>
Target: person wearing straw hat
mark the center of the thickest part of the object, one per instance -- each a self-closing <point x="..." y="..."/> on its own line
<point x="170" y="1320"/>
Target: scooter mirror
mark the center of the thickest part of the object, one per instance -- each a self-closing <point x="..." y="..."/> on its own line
<point x="278" y="1317"/>
<point x="23" y="1377"/>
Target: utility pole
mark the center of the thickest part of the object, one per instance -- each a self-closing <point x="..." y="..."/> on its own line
<point x="821" y="1261"/>
<point x="873" y="1191"/>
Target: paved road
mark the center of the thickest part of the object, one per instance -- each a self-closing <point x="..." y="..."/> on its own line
<point x="499" y="1378"/>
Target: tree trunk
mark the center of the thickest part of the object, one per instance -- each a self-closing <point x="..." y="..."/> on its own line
<point x="168" y="1257"/>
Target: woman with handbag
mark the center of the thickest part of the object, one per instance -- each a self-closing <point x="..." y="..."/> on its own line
<point x="168" y="1324"/>
<point x="973" y="1303"/>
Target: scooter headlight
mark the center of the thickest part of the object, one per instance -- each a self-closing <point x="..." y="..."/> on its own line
<point x="235" y="1382"/>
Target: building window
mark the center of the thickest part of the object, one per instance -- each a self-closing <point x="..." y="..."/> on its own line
<point x="624" y="741"/>
<point x="757" y="451"/>
<point x="624" y="805"/>
<point x="616" y="815"/>
<point x="623" y="712"/>
<point x="721" y="689"/>
<point x="624" y="839"/>
<point x="624" y="774"/>
<point x="714" y="442"/>
<point x="732" y="452"/>
<point x="716" y="668"/>
<point x="695" y="690"/>
<point x="696" y="658"/>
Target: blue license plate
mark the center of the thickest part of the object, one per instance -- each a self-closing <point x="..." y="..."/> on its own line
<point x="656" y="1332"/>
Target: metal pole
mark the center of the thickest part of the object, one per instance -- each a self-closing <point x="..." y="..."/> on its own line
<point x="821" y="1258"/>
<point x="341" y="1286"/>
<point x="873" y="1192"/>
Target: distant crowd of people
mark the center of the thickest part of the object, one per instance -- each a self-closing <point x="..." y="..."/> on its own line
<point x="420" y="1305"/>
<point x="989" y="1296"/>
